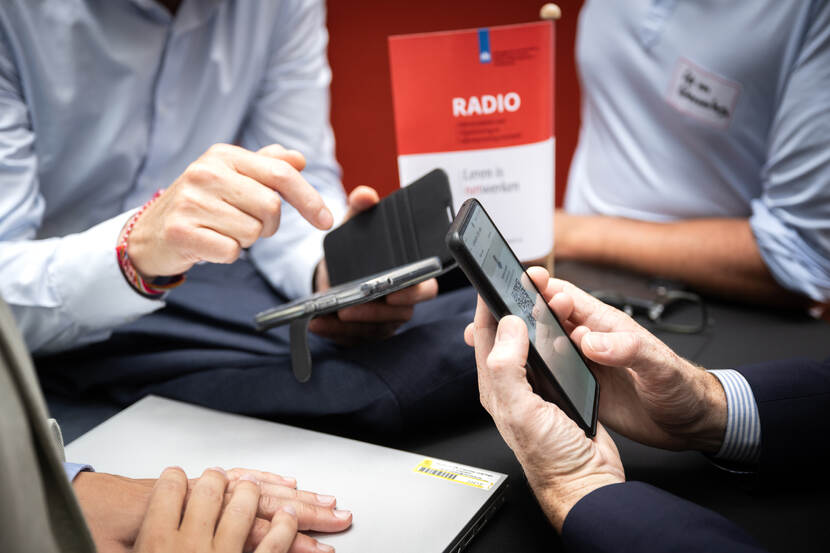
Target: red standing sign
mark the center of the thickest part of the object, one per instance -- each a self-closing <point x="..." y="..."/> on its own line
<point x="479" y="104"/>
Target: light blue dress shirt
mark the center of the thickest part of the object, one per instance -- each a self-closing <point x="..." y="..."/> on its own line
<point x="711" y="109"/>
<point x="103" y="103"/>
<point x="74" y="469"/>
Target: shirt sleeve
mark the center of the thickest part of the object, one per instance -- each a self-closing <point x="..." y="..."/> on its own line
<point x="63" y="291"/>
<point x="742" y="441"/>
<point x="791" y="219"/>
<point x="72" y="470"/>
<point x="292" y="109"/>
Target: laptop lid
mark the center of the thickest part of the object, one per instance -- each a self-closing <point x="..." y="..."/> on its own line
<point x="444" y="503"/>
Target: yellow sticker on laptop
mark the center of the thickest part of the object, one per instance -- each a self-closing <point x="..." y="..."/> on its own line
<point x="460" y="474"/>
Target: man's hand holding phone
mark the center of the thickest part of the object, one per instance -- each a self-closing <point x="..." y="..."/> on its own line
<point x="650" y="394"/>
<point x="561" y="463"/>
<point x="375" y="319"/>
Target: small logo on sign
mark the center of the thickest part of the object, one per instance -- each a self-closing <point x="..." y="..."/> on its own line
<point x="484" y="55"/>
<point x="702" y="94"/>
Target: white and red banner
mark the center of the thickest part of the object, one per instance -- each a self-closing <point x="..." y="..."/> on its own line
<point x="479" y="105"/>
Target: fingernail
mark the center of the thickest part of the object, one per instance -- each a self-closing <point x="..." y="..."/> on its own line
<point x="250" y="478"/>
<point x="219" y="469"/>
<point x="324" y="217"/>
<point x="597" y="342"/>
<point x="290" y="480"/>
<point x="289" y="509"/>
<point x="324" y="547"/>
<point x="341" y="514"/>
<point x="325" y="499"/>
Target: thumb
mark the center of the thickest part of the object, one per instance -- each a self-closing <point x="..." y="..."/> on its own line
<point x="507" y="359"/>
<point x="361" y="199"/>
<point x="623" y="349"/>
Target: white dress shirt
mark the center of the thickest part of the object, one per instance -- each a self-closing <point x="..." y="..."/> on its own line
<point x="103" y="103"/>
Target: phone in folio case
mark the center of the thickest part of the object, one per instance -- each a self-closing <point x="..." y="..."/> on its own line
<point x="407" y="226"/>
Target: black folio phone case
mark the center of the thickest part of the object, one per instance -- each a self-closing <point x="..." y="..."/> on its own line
<point x="408" y="225"/>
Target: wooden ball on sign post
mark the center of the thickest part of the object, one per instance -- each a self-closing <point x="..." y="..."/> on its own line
<point x="550" y="11"/>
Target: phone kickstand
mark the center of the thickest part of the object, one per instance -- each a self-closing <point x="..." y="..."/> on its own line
<point x="300" y="354"/>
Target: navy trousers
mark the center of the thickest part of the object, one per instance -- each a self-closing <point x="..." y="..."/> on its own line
<point x="202" y="348"/>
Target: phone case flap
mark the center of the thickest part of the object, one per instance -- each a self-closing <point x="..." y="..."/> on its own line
<point x="407" y="226"/>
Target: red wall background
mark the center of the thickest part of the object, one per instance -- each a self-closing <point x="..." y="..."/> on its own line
<point x="361" y="111"/>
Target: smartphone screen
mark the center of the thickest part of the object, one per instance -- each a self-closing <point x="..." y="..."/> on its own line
<point x="512" y="284"/>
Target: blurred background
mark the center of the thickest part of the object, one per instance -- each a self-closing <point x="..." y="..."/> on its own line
<point x="361" y="111"/>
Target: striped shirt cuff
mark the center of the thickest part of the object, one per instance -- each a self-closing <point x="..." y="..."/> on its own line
<point x="72" y="470"/>
<point x="742" y="441"/>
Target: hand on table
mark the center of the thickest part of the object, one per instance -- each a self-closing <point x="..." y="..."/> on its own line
<point x="209" y="523"/>
<point x="375" y="319"/>
<point x="562" y="464"/>
<point x="114" y="508"/>
<point x="223" y="202"/>
<point x="647" y="392"/>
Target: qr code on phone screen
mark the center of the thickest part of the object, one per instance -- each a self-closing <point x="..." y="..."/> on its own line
<point x="521" y="297"/>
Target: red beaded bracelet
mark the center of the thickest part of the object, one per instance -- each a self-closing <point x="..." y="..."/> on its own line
<point x="154" y="290"/>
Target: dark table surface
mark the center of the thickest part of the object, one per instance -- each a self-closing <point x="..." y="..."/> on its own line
<point x="781" y="520"/>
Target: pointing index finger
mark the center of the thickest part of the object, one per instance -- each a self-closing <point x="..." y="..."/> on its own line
<point x="278" y="174"/>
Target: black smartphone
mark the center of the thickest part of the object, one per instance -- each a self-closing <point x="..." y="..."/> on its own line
<point x="556" y="369"/>
<point x="408" y="225"/>
<point x="351" y="293"/>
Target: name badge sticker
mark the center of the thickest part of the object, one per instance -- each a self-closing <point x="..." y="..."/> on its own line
<point x="702" y="94"/>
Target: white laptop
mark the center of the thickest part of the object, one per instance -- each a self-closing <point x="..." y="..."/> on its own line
<point x="401" y="501"/>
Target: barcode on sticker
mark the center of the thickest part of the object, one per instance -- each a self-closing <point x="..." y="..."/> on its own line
<point x="441" y="473"/>
<point x="461" y="474"/>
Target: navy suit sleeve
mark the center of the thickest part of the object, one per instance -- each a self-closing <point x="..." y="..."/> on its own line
<point x="634" y="516"/>
<point x="793" y="399"/>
